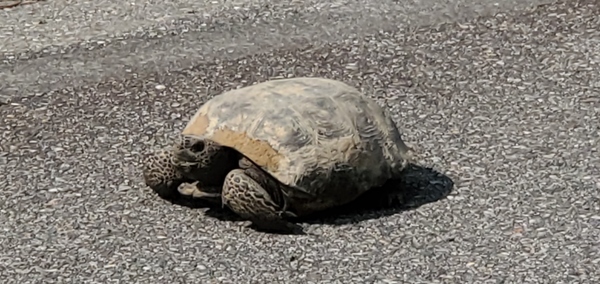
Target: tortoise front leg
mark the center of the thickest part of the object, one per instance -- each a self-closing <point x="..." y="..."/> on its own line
<point x="246" y="197"/>
<point x="161" y="174"/>
<point x="268" y="183"/>
<point x="195" y="189"/>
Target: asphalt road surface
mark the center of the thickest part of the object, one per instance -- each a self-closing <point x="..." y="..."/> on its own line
<point x="503" y="99"/>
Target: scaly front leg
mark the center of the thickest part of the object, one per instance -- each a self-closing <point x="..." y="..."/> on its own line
<point x="161" y="174"/>
<point x="196" y="190"/>
<point x="247" y="198"/>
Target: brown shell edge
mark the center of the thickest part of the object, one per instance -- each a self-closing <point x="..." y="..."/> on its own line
<point x="260" y="152"/>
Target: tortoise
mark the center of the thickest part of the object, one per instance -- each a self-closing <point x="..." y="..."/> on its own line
<point x="281" y="149"/>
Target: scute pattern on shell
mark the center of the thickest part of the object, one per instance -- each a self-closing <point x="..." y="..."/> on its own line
<point x="314" y="134"/>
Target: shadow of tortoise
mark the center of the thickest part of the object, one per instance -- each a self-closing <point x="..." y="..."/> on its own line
<point x="417" y="186"/>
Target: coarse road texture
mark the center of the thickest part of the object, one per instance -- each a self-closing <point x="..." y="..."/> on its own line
<point x="506" y="104"/>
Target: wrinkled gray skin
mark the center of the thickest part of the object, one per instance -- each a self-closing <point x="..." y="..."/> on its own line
<point x="220" y="173"/>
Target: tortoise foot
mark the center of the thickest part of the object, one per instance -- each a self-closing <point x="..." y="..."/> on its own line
<point x="247" y="198"/>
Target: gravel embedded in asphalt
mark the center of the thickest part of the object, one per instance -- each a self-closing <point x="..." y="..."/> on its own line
<point x="53" y="44"/>
<point x="506" y="105"/>
<point x="60" y="23"/>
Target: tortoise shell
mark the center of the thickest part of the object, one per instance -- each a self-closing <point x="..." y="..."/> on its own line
<point x="321" y="138"/>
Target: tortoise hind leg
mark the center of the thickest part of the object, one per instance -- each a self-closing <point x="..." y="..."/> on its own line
<point x="247" y="198"/>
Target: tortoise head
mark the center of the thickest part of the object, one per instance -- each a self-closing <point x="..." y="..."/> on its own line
<point x="203" y="160"/>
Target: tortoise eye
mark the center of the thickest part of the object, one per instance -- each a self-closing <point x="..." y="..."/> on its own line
<point x="198" y="146"/>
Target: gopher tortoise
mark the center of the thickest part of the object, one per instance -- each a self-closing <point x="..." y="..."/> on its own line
<point x="282" y="148"/>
